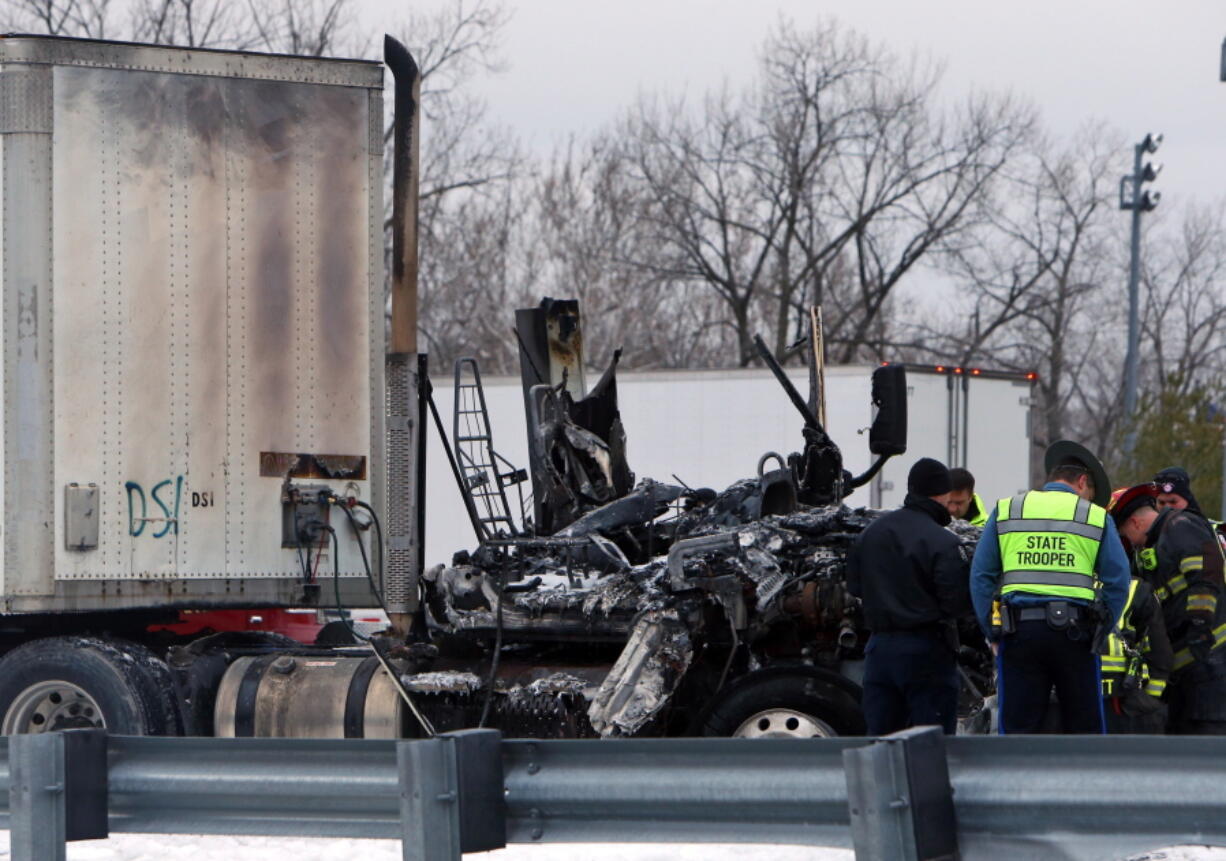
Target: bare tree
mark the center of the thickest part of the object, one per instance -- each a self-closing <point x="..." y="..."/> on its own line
<point x="311" y="28"/>
<point x="308" y="27"/>
<point x="589" y="230"/>
<point x="471" y="279"/>
<point x="1032" y="276"/>
<point x="469" y="202"/>
<point x="919" y="182"/>
<point x="193" y="23"/>
<point x="1184" y="319"/>
<point x="838" y="164"/>
<point x="88" y="18"/>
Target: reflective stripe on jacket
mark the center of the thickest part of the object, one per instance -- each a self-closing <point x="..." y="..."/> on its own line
<point x="1049" y="541"/>
<point x="1126" y="655"/>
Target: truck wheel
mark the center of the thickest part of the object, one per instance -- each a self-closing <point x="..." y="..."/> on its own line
<point x="80" y="682"/>
<point x="789" y="706"/>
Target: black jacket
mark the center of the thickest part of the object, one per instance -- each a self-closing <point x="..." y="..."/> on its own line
<point x="908" y="570"/>
<point x="1182" y="561"/>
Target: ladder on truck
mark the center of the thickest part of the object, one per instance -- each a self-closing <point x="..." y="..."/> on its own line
<point x="486" y="475"/>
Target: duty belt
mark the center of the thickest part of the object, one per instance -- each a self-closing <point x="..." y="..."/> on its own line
<point x="1039" y="614"/>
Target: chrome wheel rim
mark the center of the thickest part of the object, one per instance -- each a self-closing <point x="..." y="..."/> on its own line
<point x="52" y="705"/>
<point x="784" y="723"/>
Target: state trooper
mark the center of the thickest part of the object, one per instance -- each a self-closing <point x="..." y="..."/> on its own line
<point x="1046" y="555"/>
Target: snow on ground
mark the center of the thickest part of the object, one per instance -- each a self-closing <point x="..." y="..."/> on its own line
<point x="165" y="847"/>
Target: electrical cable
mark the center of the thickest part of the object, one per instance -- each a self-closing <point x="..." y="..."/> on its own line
<point x="304" y="564"/>
<point x="378" y="537"/>
<point x="426" y="726"/>
<point x="319" y="554"/>
<point x="365" y="560"/>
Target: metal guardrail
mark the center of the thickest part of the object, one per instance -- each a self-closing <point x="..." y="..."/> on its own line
<point x="678" y="790"/>
<point x="1058" y="797"/>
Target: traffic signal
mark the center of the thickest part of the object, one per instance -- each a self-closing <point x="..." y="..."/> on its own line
<point x="1132" y="195"/>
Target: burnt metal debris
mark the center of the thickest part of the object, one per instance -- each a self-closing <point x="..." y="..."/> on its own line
<point x="622" y="609"/>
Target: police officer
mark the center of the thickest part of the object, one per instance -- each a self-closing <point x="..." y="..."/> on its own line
<point x="964" y="502"/>
<point x="911" y="574"/>
<point x="1178" y="554"/>
<point x="1041" y="554"/>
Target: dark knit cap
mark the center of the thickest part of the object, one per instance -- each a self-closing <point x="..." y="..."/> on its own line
<point x="928" y="477"/>
<point x="1177" y="479"/>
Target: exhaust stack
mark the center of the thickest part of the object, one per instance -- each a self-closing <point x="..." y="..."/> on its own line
<point x="405" y="368"/>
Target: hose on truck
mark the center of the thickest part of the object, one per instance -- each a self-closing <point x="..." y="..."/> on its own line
<point x="422" y="720"/>
<point x="374" y="519"/>
<point x="357" y="532"/>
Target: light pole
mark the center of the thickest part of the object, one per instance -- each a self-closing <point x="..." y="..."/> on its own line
<point x="1134" y="198"/>
<point x="1222" y="513"/>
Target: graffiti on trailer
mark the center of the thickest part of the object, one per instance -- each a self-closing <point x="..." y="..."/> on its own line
<point x="159" y="494"/>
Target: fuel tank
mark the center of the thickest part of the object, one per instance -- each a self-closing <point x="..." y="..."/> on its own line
<point x="292" y="696"/>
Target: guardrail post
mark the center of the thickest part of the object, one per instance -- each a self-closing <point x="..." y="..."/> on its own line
<point x="36" y="797"/>
<point x="900" y="799"/>
<point x="86" y="804"/>
<point x="451" y="795"/>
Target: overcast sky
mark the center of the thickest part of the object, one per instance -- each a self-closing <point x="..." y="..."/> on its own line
<point x="573" y="64"/>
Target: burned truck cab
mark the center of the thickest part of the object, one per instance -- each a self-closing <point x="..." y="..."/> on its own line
<point x="618" y="607"/>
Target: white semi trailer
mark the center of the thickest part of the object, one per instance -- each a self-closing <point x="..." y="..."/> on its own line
<point x="193" y="359"/>
<point x="709" y="427"/>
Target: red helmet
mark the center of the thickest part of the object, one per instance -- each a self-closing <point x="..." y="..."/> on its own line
<point x="1127" y="500"/>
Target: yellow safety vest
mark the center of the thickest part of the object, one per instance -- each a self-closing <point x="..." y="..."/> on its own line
<point x="1049" y="541"/>
<point x="981" y="518"/>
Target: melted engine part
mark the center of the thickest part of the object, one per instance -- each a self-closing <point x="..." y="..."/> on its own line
<point x="657" y="654"/>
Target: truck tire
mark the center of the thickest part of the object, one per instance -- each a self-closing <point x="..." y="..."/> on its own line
<point x="79" y="682"/>
<point x="784" y="706"/>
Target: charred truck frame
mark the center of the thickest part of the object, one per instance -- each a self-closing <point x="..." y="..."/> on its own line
<point x="615" y="609"/>
<point x="203" y="413"/>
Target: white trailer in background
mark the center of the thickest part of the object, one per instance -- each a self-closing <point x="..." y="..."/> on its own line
<point x="969" y="417"/>
<point x="709" y="428"/>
